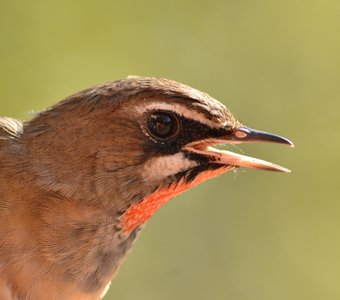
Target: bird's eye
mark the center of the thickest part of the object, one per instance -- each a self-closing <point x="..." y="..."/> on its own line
<point x="162" y="125"/>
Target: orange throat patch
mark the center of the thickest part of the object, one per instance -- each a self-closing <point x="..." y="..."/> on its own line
<point x="139" y="213"/>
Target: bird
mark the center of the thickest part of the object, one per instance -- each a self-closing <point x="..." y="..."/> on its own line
<point x="80" y="179"/>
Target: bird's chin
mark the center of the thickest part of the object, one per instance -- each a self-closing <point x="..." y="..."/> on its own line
<point x="217" y="158"/>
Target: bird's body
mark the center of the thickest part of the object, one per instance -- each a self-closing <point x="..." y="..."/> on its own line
<point x="79" y="180"/>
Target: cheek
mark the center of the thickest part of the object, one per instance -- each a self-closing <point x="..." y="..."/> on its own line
<point x="121" y="156"/>
<point x="121" y="146"/>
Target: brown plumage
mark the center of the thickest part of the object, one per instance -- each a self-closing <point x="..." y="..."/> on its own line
<point x="79" y="180"/>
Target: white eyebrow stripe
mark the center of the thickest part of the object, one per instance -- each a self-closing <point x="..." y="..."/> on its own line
<point x="180" y="110"/>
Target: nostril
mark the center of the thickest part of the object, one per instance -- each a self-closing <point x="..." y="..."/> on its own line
<point x="240" y="134"/>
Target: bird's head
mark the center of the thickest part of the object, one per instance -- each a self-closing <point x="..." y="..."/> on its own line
<point x="136" y="143"/>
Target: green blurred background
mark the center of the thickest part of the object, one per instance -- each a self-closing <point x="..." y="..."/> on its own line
<point x="276" y="65"/>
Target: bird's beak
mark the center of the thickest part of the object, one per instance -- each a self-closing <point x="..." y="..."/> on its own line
<point x="240" y="135"/>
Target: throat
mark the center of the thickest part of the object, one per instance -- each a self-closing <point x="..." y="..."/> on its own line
<point x="138" y="213"/>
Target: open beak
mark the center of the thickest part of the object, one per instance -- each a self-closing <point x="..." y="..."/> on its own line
<point x="241" y="135"/>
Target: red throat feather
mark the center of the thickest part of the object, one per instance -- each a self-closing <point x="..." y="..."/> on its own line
<point x="139" y="213"/>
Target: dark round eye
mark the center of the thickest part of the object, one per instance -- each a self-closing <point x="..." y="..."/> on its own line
<point x="162" y="125"/>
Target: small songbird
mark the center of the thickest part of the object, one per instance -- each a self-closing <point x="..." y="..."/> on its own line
<point x="79" y="180"/>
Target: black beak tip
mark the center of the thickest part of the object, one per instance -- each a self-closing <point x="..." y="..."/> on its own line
<point x="290" y="143"/>
<point x="250" y="135"/>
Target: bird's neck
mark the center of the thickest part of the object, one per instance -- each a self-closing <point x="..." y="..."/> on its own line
<point x="84" y="242"/>
<point x="73" y="242"/>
